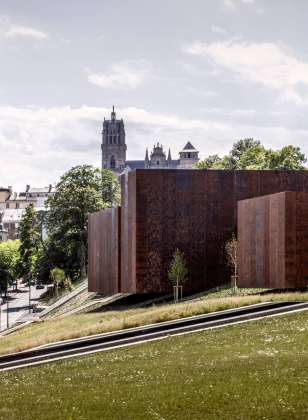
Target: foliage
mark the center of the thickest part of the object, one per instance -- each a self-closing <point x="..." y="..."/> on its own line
<point x="59" y="279"/>
<point x="43" y="263"/>
<point x="251" y="154"/>
<point x="81" y="191"/>
<point x="110" y="188"/>
<point x="9" y="259"/>
<point x="178" y="271"/>
<point x="211" y="162"/>
<point x="29" y="235"/>
<point x="231" y="253"/>
<point x="288" y="157"/>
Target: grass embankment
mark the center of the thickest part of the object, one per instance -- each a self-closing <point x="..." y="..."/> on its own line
<point x="74" y="326"/>
<point x="257" y="370"/>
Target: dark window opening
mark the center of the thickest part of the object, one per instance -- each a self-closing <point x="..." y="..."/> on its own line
<point x="112" y="162"/>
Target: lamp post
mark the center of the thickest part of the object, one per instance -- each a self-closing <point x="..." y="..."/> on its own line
<point x="1" y="312"/>
<point x="7" y="309"/>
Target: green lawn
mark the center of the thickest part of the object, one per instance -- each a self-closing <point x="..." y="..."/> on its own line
<point x="256" y="370"/>
<point x="73" y="326"/>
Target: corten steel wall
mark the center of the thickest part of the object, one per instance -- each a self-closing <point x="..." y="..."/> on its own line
<point x="273" y="241"/>
<point x="194" y="210"/>
<point x="104" y="254"/>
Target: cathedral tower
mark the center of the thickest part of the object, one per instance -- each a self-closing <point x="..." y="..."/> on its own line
<point x="113" y="144"/>
<point x="188" y="157"/>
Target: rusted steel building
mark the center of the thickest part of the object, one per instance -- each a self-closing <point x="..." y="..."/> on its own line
<point x="193" y="210"/>
<point x="273" y="241"/>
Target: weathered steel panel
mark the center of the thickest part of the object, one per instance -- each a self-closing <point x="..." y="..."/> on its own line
<point x="196" y="211"/>
<point x="273" y="240"/>
<point x="104" y="254"/>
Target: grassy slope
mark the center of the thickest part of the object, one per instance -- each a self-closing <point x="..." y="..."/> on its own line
<point x="257" y="370"/>
<point x="86" y="324"/>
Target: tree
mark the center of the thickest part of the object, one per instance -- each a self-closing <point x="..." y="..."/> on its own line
<point x="289" y="157"/>
<point x="81" y="191"/>
<point x="58" y="279"/>
<point x="211" y="162"/>
<point x="177" y="271"/>
<point x="241" y="148"/>
<point x="251" y="154"/>
<point x="9" y="259"/>
<point x="29" y="235"/>
<point x="110" y="188"/>
<point x="29" y="242"/>
<point x="231" y="254"/>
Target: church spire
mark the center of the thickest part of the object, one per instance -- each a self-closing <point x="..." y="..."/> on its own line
<point x="169" y="155"/>
<point x="113" y="114"/>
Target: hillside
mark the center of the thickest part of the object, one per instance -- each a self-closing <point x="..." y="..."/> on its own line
<point x="248" y="371"/>
<point x="116" y="317"/>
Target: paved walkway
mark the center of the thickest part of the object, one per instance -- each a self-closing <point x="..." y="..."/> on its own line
<point x="19" y="305"/>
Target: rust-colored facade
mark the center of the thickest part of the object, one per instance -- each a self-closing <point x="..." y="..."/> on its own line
<point x="193" y="210"/>
<point x="104" y="254"/>
<point x="273" y="241"/>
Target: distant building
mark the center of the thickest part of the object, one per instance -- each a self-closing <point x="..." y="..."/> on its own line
<point x="3" y="232"/>
<point x="13" y="205"/>
<point x="114" y="151"/>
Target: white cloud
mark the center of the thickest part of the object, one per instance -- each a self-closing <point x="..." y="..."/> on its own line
<point x="232" y="4"/>
<point x="10" y="30"/>
<point x="126" y="75"/>
<point x="219" y="30"/>
<point x="39" y="144"/>
<point x="24" y="31"/>
<point x="268" y="64"/>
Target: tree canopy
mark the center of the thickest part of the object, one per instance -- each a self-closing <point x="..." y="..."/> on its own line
<point x="29" y="243"/>
<point x="251" y="154"/>
<point x="9" y="259"/>
<point x="80" y="191"/>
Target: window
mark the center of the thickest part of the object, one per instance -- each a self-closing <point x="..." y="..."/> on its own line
<point x="17" y="205"/>
<point x="157" y="163"/>
<point x="112" y="162"/>
<point x="7" y="205"/>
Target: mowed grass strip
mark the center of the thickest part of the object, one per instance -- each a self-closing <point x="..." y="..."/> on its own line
<point x="74" y="326"/>
<point x="256" y="370"/>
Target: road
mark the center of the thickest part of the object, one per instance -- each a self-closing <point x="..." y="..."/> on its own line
<point x="19" y="305"/>
<point x="102" y="342"/>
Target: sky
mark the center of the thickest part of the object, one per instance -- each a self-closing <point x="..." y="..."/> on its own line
<point x="210" y="72"/>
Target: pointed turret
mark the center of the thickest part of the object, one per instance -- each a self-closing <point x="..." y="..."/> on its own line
<point x="113" y="114"/>
<point x="147" y="155"/>
<point x="188" y="156"/>
<point x="169" y="155"/>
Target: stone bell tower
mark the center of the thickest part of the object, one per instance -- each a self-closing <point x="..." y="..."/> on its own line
<point x="113" y="144"/>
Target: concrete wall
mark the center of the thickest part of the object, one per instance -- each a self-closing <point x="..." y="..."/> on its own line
<point x="273" y="241"/>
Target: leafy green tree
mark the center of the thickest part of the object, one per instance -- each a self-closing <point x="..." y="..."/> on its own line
<point x="9" y="260"/>
<point x="211" y="162"/>
<point x="178" y="270"/>
<point x="81" y="191"/>
<point x="110" y="188"/>
<point x="241" y="148"/>
<point x="58" y="278"/>
<point x="29" y="235"/>
<point x="251" y="154"/>
<point x="232" y="258"/>
<point x="289" y="157"/>
<point x="253" y="158"/>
